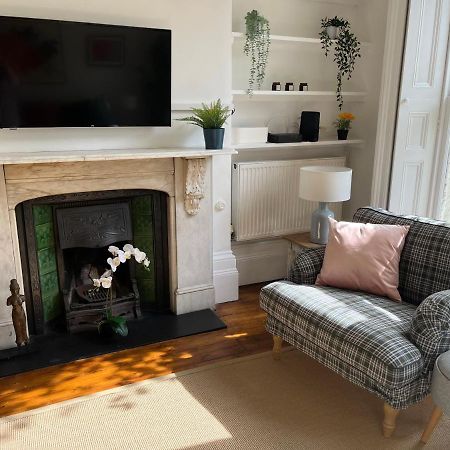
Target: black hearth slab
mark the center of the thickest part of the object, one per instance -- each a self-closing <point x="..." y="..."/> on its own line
<point x="53" y="349"/>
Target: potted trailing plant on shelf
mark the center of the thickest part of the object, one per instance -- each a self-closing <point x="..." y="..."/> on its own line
<point x="211" y="118"/>
<point x="343" y="124"/>
<point x="111" y="325"/>
<point x="346" y="50"/>
<point x="257" y="44"/>
<point x="330" y="27"/>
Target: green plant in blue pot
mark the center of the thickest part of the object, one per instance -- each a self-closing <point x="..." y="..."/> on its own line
<point x="211" y="118"/>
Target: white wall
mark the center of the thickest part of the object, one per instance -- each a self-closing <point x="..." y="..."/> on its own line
<point x="201" y="71"/>
<point x="307" y="63"/>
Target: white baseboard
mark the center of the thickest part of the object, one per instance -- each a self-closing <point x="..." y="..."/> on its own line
<point x="226" y="277"/>
<point x="194" y="298"/>
<point x="259" y="261"/>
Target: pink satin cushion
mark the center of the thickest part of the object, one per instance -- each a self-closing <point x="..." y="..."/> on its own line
<point x="363" y="257"/>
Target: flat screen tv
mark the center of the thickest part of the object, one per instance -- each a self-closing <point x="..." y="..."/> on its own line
<point x="56" y="73"/>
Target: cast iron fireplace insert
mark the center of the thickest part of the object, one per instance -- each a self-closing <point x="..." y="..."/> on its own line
<point x="82" y="226"/>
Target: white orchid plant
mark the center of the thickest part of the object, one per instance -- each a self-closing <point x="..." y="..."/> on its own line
<point x="117" y="323"/>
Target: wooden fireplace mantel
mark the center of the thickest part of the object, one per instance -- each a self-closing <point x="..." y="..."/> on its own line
<point x="108" y="155"/>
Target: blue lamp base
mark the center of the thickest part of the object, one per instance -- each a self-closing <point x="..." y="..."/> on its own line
<point x="320" y="225"/>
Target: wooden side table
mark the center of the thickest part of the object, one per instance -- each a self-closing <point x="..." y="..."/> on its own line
<point x="298" y="242"/>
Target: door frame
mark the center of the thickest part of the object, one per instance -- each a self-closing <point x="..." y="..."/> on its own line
<point x="442" y="158"/>
<point x="396" y="26"/>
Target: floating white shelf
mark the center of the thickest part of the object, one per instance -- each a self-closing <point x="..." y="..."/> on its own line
<point x="293" y="95"/>
<point x="290" y="39"/>
<point x="325" y="143"/>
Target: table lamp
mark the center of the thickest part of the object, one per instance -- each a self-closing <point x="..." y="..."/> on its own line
<point x="324" y="184"/>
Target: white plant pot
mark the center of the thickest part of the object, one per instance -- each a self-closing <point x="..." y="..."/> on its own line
<point x="332" y="32"/>
<point x="247" y="135"/>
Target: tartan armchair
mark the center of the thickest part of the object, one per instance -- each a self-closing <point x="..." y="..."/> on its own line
<point x="385" y="347"/>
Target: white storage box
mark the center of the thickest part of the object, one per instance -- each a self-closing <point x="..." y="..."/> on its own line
<point x="246" y="135"/>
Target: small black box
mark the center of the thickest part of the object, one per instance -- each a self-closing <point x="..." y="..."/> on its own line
<point x="284" y="138"/>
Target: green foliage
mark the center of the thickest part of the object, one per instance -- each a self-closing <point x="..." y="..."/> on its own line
<point x="347" y="49"/>
<point x="257" y="44"/>
<point x="343" y="124"/>
<point x="117" y="323"/>
<point x="213" y="115"/>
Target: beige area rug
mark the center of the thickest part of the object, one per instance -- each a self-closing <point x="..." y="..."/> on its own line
<point x="246" y="403"/>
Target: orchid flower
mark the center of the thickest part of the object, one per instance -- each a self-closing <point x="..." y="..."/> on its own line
<point x="106" y="282"/>
<point x="103" y="281"/>
<point x="139" y="256"/>
<point x="114" y="263"/>
<point x="128" y="248"/>
<point x="121" y="256"/>
<point x="113" y="250"/>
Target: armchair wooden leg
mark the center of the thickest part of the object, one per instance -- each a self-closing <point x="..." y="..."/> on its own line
<point x="390" y="417"/>
<point x="277" y="343"/>
<point x="434" y="420"/>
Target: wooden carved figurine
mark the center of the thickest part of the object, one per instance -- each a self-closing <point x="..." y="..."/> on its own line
<point x="18" y="314"/>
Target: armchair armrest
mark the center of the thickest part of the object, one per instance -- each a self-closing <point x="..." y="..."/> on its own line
<point x="430" y="327"/>
<point x="306" y="266"/>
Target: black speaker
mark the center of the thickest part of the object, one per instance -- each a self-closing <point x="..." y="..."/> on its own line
<point x="309" y="125"/>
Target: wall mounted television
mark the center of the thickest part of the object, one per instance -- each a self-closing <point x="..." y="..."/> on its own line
<point x="56" y="73"/>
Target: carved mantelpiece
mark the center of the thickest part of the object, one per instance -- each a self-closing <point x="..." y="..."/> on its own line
<point x="194" y="191"/>
<point x="184" y="174"/>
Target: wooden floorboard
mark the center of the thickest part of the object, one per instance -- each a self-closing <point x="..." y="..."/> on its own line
<point x="244" y="335"/>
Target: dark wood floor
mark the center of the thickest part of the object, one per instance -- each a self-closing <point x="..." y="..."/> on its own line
<point x="244" y="335"/>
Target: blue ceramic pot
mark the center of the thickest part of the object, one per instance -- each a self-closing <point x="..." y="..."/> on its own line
<point x="213" y="138"/>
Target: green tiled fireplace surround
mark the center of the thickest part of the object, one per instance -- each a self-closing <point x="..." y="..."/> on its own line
<point x="52" y="302"/>
<point x="142" y="214"/>
<point x="143" y="237"/>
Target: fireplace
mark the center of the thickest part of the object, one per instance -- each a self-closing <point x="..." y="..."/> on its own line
<point x="64" y="243"/>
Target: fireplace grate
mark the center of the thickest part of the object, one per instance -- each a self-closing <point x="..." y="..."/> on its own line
<point x="92" y="294"/>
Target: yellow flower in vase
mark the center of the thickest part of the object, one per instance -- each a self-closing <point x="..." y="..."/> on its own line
<point x="346" y="116"/>
<point x="343" y="124"/>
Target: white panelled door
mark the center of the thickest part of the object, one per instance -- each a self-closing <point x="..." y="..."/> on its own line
<point x="420" y="103"/>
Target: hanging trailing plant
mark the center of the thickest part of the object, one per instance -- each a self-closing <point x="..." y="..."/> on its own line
<point x="347" y="49"/>
<point x="257" y="43"/>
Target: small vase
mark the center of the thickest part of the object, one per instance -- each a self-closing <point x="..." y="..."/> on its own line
<point x="342" y="135"/>
<point x="213" y="138"/>
<point x="332" y="32"/>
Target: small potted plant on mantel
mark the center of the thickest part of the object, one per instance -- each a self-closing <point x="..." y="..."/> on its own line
<point x="211" y="118"/>
<point x="343" y="124"/>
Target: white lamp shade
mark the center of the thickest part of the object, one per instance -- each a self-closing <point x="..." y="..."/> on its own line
<point x="325" y="183"/>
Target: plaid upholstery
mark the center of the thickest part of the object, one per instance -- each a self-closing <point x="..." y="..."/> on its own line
<point x="398" y="398"/>
<point x="385" y="347"/>
<point x="364" y="331"/>
<point x="430" y="327"/>
<point x="306" y="266"/>
<point x="425" y="262"/>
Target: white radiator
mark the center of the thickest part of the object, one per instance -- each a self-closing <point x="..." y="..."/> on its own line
<point x="266" y="201"/>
